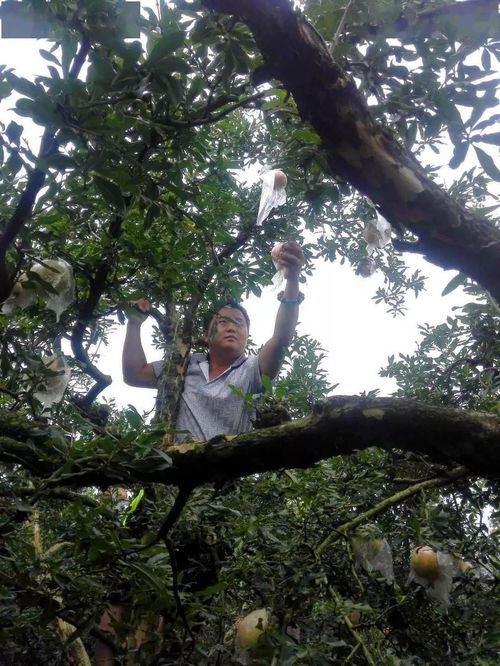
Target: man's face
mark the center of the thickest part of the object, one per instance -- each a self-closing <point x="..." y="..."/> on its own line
<point x="228" y="331"/>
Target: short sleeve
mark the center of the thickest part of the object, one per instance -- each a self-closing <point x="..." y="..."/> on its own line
<point x="255" y="377"/>
<point x="157" y="367"/>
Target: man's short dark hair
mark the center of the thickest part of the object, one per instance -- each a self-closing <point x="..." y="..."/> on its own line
<point x="226" y="304"/>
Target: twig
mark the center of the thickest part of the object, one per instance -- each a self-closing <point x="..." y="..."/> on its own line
<point x="352" y="653"/>
<point x="175" y="588"/>
<point x="356" y="635"/>
<point x="454" y="475"/>
<point x="170" y="122"/>
<point x="86" y="312"/>
<point x="174" y="513"/>
<point x="340" y="27"/>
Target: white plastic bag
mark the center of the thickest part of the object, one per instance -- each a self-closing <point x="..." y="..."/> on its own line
<point x="437" y="580"/>
<point x="51" y="388"/>
<point x="20" y="297"/>
<point x="272" y="194"/>
<point x="280" y="270"/>
<point x="58" y="274"/>
<point x="373" y="554"/>
<point x="377" y="234"/>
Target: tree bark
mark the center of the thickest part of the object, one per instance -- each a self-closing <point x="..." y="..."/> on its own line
<point x="343" y="425"/>
<point x="361" y="151"/>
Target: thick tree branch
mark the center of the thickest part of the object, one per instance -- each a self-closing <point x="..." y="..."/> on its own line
<point x="342" y="426"/>
<point x="86" y="312"/>
<point x="361" y="151"/>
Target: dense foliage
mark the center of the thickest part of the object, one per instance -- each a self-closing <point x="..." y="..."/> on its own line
<point x="137" y="186"/>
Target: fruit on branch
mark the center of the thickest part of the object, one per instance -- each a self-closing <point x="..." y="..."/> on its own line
<point x="464" y="567"/>
<point x="366" y="267"/>
<point x="275" y="252"/>
<point x="251" y="628"/>
<point x="424" y="562"/>
<point x="354" y="617"/>
<point x="280" y="179"/>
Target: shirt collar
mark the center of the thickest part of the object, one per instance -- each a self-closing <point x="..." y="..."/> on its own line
<point x="202" y="357"/>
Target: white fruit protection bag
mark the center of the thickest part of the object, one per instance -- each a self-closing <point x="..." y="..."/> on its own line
<point x="438" y="589"/>
<point x="51" y="388"/>
<point x="377" y="234"/>
<point x="59" y="274"/>
<point x="55" y="272"/>
<point x="375" y="556"/>
<point x="270" y="195"/>
<point x="279" y="276"/>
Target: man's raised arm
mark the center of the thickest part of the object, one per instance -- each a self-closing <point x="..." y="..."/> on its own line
<point x="136" y="370"/>
<point x="291" y="258"/>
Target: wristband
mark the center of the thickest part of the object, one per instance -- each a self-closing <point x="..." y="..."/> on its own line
<point x="290" y="301"/>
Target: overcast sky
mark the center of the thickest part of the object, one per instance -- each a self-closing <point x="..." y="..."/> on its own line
<point x="338" y="310"/>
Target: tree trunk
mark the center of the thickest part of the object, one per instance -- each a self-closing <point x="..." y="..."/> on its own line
<point x="171" y="381"/>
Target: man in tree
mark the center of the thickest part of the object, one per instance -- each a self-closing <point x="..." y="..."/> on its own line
<point x="208" y="406"/>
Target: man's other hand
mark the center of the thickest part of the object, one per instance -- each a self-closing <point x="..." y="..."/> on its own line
<point x="291" y="258"/>
<point x="138" y="311"/>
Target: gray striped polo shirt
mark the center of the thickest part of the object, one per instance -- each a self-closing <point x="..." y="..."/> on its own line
<point x="209" y="407"/>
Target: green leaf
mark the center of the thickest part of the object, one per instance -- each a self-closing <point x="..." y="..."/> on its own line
<point x="488" y="122"/>
<point x="132" y="507"/>
<point x="487" y="163"/>
<point x="14" y="164"/>
<point x="166" y="45"/>
<point x="48" y="56"/>
<point x="133" y="417"/>
<point x="5" y="89"/>
<point x="165" y="456"/>
<point x="151" y="215"/>
<point x="173" y="89"/>
<point x="493" y="138"/>
<point x="149" y="576"/>
<point x="53" y="72"/>
<point x="459" y="154"/>
<point x="14" y="132"/>
<point x="24" y="87"/>
<point x="486" y="60"/>
<point x="41" y="109"/>
<point x="454" y="283"/>
<point x="60" y="162"/>
<point x="69" y="46"/>
<point x="197" y="85"/>
<point x="174" y="64"/>
<point x="110" y="192"/>
<point x="25" y="107"/>
<point x="267" y="383"/>
<point x="34" y="277"/>
<point x="213" y="589"/>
